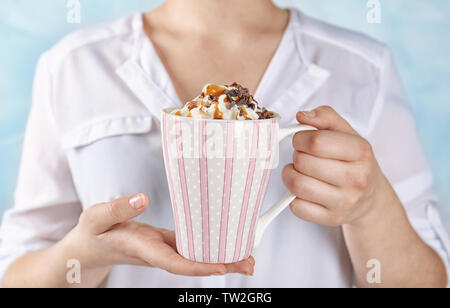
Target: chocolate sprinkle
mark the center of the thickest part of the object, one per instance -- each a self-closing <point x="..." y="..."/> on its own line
<point x="265" y="114"/>
<point x="239" y="94"/>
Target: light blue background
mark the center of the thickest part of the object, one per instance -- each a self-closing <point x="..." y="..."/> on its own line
<point x="418" y="31"/>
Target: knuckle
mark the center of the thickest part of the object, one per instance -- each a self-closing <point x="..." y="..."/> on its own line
<point x="296" y="209"/>
<point x="365" y="150"/>
<point x="351" y="200"/>
<point x="298" y="160"/>
<point x="359" y="180"/>
<point x="327" y="113"/>
<point x="112" y="210"/>
<point x="345" y="201"/>
<point x="286" y="173"/>
<point x="287" y="176"/>
<point x="298" y="188"/>
<point x="296" y="140"/>
<point x="363" y="180"/>
<point x="326" y="109"/>
<point x="315" y="143"/>
<point x="292" y="184"/>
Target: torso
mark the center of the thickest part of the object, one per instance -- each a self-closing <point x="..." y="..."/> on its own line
<point x="193" y="60"/>
<point x="111" y="133"/>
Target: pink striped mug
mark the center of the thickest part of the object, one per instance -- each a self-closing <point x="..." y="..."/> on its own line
<point x="218" y="171"/>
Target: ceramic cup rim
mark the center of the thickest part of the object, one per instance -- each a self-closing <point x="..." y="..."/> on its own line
<point x="168" y="111"/>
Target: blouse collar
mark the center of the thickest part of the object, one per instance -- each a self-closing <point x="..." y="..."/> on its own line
<point x="146" y="76"/>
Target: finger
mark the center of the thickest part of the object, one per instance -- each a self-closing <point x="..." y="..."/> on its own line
<point x="252" y="260"/>
<point x="101" y="217"/>
<point x="331" y="145"/>
<point x="176" y="264"/>
<point x="312" y="212"/>
<point x="169" y="238"/>
<point x="310" y="189"/>
<point x="325" y="118"/>
<point x="326" y="170"/>
<point x="245" y="267"/>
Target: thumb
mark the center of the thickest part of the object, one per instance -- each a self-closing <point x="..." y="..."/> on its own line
<point x="101" y="217"/>
<point x="325" y="118"/>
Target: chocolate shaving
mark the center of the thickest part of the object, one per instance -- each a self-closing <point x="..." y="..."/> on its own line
<point x="230" y="104"/>
<point x="265" y="114"/>
<point x="239" y="94"/>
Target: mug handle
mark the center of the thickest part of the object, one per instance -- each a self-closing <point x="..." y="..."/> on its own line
<point x="269" y="216"/>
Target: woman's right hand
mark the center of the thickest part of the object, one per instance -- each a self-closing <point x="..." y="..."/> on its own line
<point x="106" y="236"/>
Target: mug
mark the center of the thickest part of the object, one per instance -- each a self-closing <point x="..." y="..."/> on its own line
<point x="218" y="172"/>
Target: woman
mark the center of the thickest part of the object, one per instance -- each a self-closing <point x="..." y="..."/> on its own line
<point x="94" y="136"/>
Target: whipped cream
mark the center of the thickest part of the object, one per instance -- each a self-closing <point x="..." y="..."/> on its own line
<point x="232" y="102"/>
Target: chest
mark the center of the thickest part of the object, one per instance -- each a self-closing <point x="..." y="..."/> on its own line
<point x="192" y="62"/>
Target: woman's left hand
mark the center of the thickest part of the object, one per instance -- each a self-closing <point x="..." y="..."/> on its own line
<point x="335" y="175"/>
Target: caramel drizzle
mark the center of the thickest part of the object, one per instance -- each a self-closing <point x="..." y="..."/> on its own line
<point x="245" y="114"/>
<point x="192" y="105"/>
<point x="214" y="90"/>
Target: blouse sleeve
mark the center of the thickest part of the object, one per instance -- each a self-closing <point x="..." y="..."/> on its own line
<point x="398" y="150"/>
<point x="46" y="206"/>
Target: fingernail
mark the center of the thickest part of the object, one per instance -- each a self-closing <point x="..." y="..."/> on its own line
<point x="309" y="114"/>
<point x="137" y="202"/>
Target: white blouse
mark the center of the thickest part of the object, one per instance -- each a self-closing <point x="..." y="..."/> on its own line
<point x="94" y="135"/>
